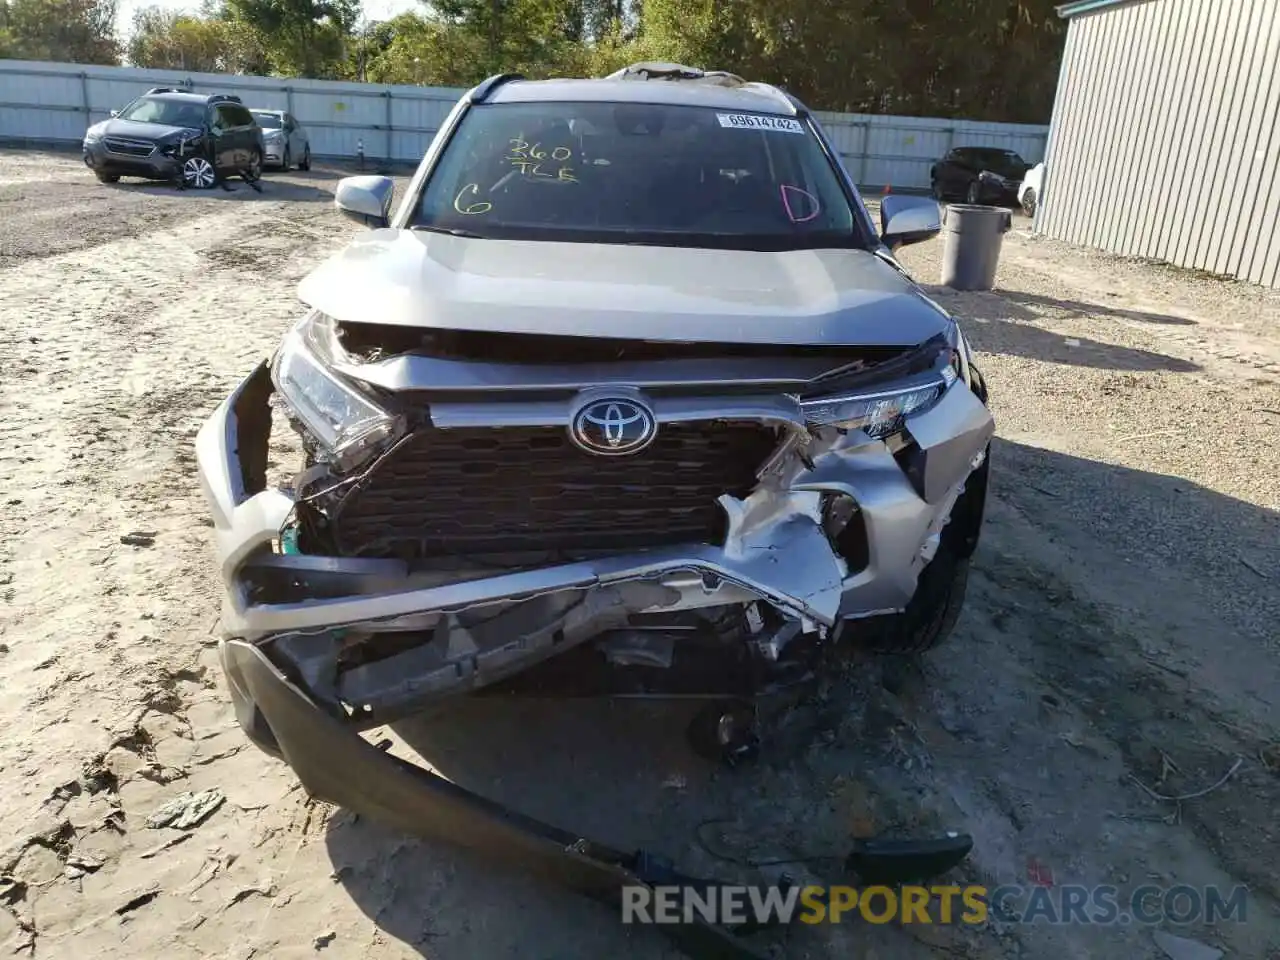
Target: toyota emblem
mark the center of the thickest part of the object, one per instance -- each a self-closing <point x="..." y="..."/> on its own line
<point x="613" y="427"/>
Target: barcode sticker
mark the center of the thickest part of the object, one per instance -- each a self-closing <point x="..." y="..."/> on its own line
<point x="751" y="121"/>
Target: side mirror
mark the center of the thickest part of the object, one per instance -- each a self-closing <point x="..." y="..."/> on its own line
<point x="115" y="113"/>
<point x="365" y="199"/>
<point x="906" y="220"/>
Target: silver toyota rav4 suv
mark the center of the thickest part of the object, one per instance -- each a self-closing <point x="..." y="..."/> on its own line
<point x="628" y="392"/>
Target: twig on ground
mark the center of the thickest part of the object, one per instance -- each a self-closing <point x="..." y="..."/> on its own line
<point x="1168" y="669"/>
<point x="1168" y="820"/>
<point x="1252" y="567"/>
<point x="1269" y="757"/>
<point x="1166" y="766"/>
<point x="1190" y="796"/>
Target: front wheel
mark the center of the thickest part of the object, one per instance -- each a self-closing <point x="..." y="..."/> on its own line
<point x="974" y="195"/>
<point x="107" y="177"/>
<point x="287" y="162"/>
<point x="305" y="162"/>
<point x="931" y="614"/>
<point x="198" y="172"/>
<point x="938" y="193"/>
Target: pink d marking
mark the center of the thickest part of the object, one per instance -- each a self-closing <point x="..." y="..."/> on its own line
<point x="786" y="189"/>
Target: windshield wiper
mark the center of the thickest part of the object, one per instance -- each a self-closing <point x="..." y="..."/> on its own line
<point x="451" y="231"/>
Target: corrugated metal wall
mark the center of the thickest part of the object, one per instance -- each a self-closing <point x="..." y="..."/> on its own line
<point x="56" y="101"/>
<point x="1164" y="141"/>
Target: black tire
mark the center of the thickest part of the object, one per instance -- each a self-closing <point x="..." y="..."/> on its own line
<point x="305" y="162"/>
<point x="974" y="194"/>
<point x="932" y="612"/>
<point x="931" y="615"/>
<point x="1029" y="202"/>
<point x="938" y="193"/>
<point x="107" y="177"/>
<point x="287" y="162"/>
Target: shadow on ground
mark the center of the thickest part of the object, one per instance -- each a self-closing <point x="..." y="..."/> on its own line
<point x="1080" y="308"/>
<point x="961" y="744"/>
<point x="1002" y="321"/>
<point x="274" y="188"/>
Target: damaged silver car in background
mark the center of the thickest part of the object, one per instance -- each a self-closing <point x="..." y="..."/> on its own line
<point x="628" y="394"/>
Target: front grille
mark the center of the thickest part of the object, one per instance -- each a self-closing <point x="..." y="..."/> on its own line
<point x="129" y="148"/>
<point x="476" y="492"/>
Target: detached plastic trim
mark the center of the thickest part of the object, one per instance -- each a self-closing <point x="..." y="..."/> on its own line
<point x="335" y="764"/>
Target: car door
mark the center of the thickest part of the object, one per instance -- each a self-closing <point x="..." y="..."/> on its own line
<point x="248" y="133"/>
<point x="225" y="145"/>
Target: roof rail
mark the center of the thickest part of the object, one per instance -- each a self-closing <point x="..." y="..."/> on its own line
<point x="224" y="98"/>
<point x="487" y="86"/>
<point x="658" y="70"/>
<point x="163" y="90"/>
<point x="663" y="70"/>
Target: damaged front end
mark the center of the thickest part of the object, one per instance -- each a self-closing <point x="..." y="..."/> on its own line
<point x="442" y="539"/>
<point x="637" y="519"/>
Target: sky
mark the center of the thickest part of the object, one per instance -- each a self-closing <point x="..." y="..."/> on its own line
<point x="374" y="9"/>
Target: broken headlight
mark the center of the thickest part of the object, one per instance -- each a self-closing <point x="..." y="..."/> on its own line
<point x="881" y="410"/>
<point x="881" y="413"/>
<point x="342" y="418"/>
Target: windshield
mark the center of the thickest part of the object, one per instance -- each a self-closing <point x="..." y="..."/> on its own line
<point x="171" y="113"/>
<point x="268" y="121"/>
<point x="637" y="173"/>
<point x="1004" y="162"/>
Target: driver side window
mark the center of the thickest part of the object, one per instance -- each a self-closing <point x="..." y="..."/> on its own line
<point x="224" y="118"/>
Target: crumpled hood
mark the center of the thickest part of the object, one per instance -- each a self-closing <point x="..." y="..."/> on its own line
<point x="140" y="131"/>
<point x="818" y="297"/>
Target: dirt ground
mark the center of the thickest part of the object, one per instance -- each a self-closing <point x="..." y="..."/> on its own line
<point x="1122" y="633"/>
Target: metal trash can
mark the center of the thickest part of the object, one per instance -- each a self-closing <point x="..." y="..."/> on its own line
<point x="971" y="242"/>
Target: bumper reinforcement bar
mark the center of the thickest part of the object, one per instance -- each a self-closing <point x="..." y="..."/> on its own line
<point x="337" y="765"/>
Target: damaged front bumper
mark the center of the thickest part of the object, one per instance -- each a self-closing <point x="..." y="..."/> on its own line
<point x="302" y="609"/>
<point x="337" y="765"/>
<point x="288" y="616"/>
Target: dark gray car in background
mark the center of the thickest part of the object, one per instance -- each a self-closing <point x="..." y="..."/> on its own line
<point x="985" y="175"/>
<point x="171" y="134"/>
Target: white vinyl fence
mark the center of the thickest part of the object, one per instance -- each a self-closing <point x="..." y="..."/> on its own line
<point x="54" y="102"/>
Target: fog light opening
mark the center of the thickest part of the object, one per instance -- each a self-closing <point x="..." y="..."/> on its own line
<point x="842" y="522"/>
<point x="837" y="510"/>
